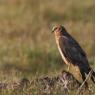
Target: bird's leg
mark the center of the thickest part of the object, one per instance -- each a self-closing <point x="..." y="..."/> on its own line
<point x="68" y="69"/>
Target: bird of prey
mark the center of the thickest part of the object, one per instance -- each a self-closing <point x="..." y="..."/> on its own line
<point x="71" y="52"/>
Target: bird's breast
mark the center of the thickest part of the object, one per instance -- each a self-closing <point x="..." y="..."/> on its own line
<point x="62" y="53"/>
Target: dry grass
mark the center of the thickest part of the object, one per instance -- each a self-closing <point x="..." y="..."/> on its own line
<point x="60" y="84"/>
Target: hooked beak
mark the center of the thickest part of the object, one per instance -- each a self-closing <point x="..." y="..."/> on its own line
<point x="52" y="31"/>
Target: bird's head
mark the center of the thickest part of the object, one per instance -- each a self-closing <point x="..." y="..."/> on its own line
<point x="59" y="30"/>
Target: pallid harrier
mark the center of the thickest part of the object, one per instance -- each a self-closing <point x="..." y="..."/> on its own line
<point x="71" y="52"/>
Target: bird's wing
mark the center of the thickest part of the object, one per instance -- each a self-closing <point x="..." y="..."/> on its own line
<point x="72" y="50"/>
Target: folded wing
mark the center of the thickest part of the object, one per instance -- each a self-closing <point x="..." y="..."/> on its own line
<point x="72" y="51"/>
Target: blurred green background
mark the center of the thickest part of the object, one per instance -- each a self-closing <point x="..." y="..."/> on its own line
<point x="26" y="41"/>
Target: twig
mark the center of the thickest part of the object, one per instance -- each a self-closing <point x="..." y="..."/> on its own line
<point x="89" y="75"/>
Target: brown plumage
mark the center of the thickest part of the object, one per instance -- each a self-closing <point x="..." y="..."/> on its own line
<point x="71" y="51"/>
